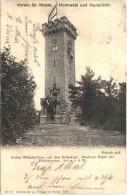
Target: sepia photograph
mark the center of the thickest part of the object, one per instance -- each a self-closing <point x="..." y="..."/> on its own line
<point x="63" y="93"/>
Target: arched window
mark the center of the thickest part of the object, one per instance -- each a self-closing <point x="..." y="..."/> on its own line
<point x="54" y="45"/>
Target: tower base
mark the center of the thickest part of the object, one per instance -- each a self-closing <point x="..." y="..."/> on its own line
<point x="43" y="119"/>
<point x="59" y="119"/>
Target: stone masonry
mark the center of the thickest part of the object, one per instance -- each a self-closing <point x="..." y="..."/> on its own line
<point x="60" y="36"/>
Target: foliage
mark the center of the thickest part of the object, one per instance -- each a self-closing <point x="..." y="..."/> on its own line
<point x="49" y="103"/>
<point x="100" y="101"/>
<point x="18" y="89"/>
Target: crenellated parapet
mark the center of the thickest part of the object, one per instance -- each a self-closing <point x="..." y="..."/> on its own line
<point x="58" y="26"/>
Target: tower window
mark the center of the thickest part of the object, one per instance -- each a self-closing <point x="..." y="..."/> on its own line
<point x="54" y="45"/>
<point x="54" y="63"/>
<point x="70" y="64"/>
<point x="54" y="79"/>
<point x="54" y="94"/>
<point x="69" y="48"/>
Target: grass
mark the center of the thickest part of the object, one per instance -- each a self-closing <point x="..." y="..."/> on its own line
<point x="67" y="135"/>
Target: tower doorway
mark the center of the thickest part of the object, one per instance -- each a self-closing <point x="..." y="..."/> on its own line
<point x="50" y="115"/>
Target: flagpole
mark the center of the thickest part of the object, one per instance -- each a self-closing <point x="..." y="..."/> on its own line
<point x="55" y="7"/>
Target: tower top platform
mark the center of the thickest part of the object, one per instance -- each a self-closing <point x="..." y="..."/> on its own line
<point x="59" y="25"/>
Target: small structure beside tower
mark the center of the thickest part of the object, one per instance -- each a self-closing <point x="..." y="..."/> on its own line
<point x="60" y="36"/>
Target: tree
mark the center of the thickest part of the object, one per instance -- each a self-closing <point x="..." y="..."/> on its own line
<point x="110" y="90"/>
<point x="100" y="101"/>
<point x="120" y="116"/>
<point x="18" y="88"/>
<point x="86" y="95"/>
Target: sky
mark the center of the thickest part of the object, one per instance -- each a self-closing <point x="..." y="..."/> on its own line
<point x="100" y="43"/>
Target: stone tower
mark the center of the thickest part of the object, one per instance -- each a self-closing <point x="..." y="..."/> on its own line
<point x="60" y="36"/>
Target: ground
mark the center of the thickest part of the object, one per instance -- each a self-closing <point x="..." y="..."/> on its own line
<point x="70" y="135"/>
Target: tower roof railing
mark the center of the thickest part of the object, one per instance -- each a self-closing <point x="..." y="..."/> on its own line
<point x="57" y="21"/>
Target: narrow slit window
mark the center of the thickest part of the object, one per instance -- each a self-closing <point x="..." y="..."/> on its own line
<point x="54" y="79"/>
<point x="54" y="63"/>
<point x="70" y="81"/>
<point x="69" y="48"/>
<point x="70" y="64"/>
